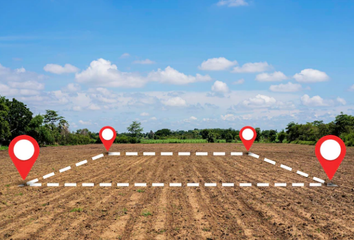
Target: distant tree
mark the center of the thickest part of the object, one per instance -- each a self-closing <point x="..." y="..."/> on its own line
<point x="204" y="133"/>
<point x="258" y="137"/>
<point x="135" y="129"/>
<point x="4" y="124"/>
<point x="281" y="136"/>
<point x="272" y="135"/>
<point x="163" y="132"/>
<point x="229" y="137"/>
<point x="19" y="116"/>
<point x="211" y="137"/>
<point x="151" y="135"/>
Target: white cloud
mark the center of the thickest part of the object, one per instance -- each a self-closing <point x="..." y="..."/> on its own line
<point x="341" y="101"/>
<point x="240" y="81"/>
<point x="144" y="62"/>
<point x="232" y="3"/>
<point x="27" y="85"/>
<point x="289" y="87"/>
<point x="144" y="114"/>
<point x="175" y="102"/>
<point x="270" y="77"/>
<point x="252" y="67"/>
<point x="311" y="76"/>
<point x="219" y="87"/>
<point x="153" y="118"/>
<point x="193" y="118"/>
<point x="259" y="101"/>
<point x="84" y="123"/>
<point x="19" y="75"/>
<point x="102" y="73"/>
<point x="125" y="55"/>
<point x="228" y="117"/>
<point x="217" y="64"/>
<point x="315" y="101"/>
<point x="351" y="88"/>
<point x="170" y="75"/>
<point x="57" y="69"/>
<point x="73" y="87"/>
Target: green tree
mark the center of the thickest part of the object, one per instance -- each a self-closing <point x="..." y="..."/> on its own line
<point x="4" y="124"/>
<point x="229" y="137"/>
<point x="272" y="135"/>
<point x="211" y="137"/>
<point x="281" y="136"/>
<point x="135" y="129"/>
<point x="258" y="137"/>
<point x="19" y="117"/>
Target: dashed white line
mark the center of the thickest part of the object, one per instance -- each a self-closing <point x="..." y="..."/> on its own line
<point x="64" y="169"/>
<point x="228" y="184"/>
<point x="302" y="173"/>
<point x="236" y="153"/>
<point x="122" y="184"/>
<point x="175" y="184"/>
<point x="140" y="184"/>
<point x="279" y="184"/>
<point x="298" y="184"/>
<point x="35" y="185"/>
<point x="315" y="184"/>
<point x="105" y="184"/>
<point x="48" y="175"/>
<point x="114" y="154"/>
<point x="262" y="184"/>
<point x="210" y="184"/>
<point x="98" y="156"/>
<point x="131" y="154"/>
<point x="253" y="155"/>
<point x="245" y="184"/>
<point x="318" y="179"/>
<point x="184" y="153"/>
<point x="88" y="184"/>
<point x="219" y="153"/>
<point x="32" y="181"/>
<point x="192" y="184"/>
<point x="158" y="184"/>
<point x="52" y="184"/>
<point x="166" y="153"/>
<point x="201" y="153"/>
<point x="286" y="167"/>
<point x="69" y="184"/>
<point x="81" y="163"/>
<point x="269" y="161"/>
<point x="149" y="153"/>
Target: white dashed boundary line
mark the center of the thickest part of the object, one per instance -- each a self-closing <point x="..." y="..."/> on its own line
<point x="192" y="184"/>
<point x="269" y="161"/>
<point x="228" y="184"/>
<point x="286" y="167"/>
<point x="88" y="184"/>
<point x="32" y="181"/>
<point x="81" y="163"/>
<point x="35" y="185"/>
<point x="64" y="169"/>
<point x="98" y="156"/>
<point x="69" y="184"/>
<point x="122" y="184"/>
<point x="245" y="184"/>
<point x="253" y="155"/>
<point x="49" y="175"/>
<point x="201" y="154"/>
<point x="149" y="153"/>
<point x="140" y="184"/>
<point x="262" y="184"/>
<point x="105" y="184"/>
<point x="52" y="184"/>
<point x="279" y="184"/>
<point x="158" y="185"/>
<point x="298" y="184"/>
<point x="184" y="153"/>
<point x="318" y="180"/>
<point x="315" y="184"/>
<point x="236" y="153"/>
<point x="166" y="153"/>
<point x="175" y="184"/>
<point x="210" y="184"/>
<point x="114" y="154"/>
<point x="302" y="174"/>
<point x="131" y="154"/>
<point x="219" y="153"/>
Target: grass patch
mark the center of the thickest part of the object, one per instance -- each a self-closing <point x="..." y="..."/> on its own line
<point x="140" y="190"/>
<point x="146" y="213"/>
<point x="4" y="148"/>
<point x="76" y="210"/>
<point x="19" y="194"/>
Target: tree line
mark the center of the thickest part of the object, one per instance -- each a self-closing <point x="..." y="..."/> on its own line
<point x="52" y="129"/>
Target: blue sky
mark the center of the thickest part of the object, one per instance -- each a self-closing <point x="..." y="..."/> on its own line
<point x="179" y="64"/>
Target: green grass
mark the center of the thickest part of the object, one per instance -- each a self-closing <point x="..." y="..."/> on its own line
<point x="4" y="148"/>
<point x="76" y="210"/>
<point x="146" y="213"/>
<point x="140" y="191"/>
<point x="154" y="141"/>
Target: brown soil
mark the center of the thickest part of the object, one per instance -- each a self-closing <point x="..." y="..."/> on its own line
<point x="177" y="212"/>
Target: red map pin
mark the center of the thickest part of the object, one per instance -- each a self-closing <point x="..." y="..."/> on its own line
<point x="23" y="151"/>
<point x="330" y="151"/>
<point x="248" y="135"/>
<point x="107" y="136"/>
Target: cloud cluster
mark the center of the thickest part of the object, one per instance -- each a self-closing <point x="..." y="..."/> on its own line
<point x="288" y="87"/>
<point x="217" y="64"/>
<point x="232" y="3"/>
<point x="220" y="87"/>
<point x="271" y="77"/>
<point x="252" y="67"/>
<point x="311" y="76"/>
<point x="57" y="69"/>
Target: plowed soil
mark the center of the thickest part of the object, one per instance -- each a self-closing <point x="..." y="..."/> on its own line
<point x="177" y="212"/>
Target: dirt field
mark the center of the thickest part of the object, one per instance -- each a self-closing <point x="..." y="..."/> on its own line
<point x="177" y="212"/>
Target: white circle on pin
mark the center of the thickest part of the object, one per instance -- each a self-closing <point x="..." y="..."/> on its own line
<point x="330" y="150"/>
<point x="23" y="150"/>
<point x="107" y="134"/>
<point x="247" y="134"/>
